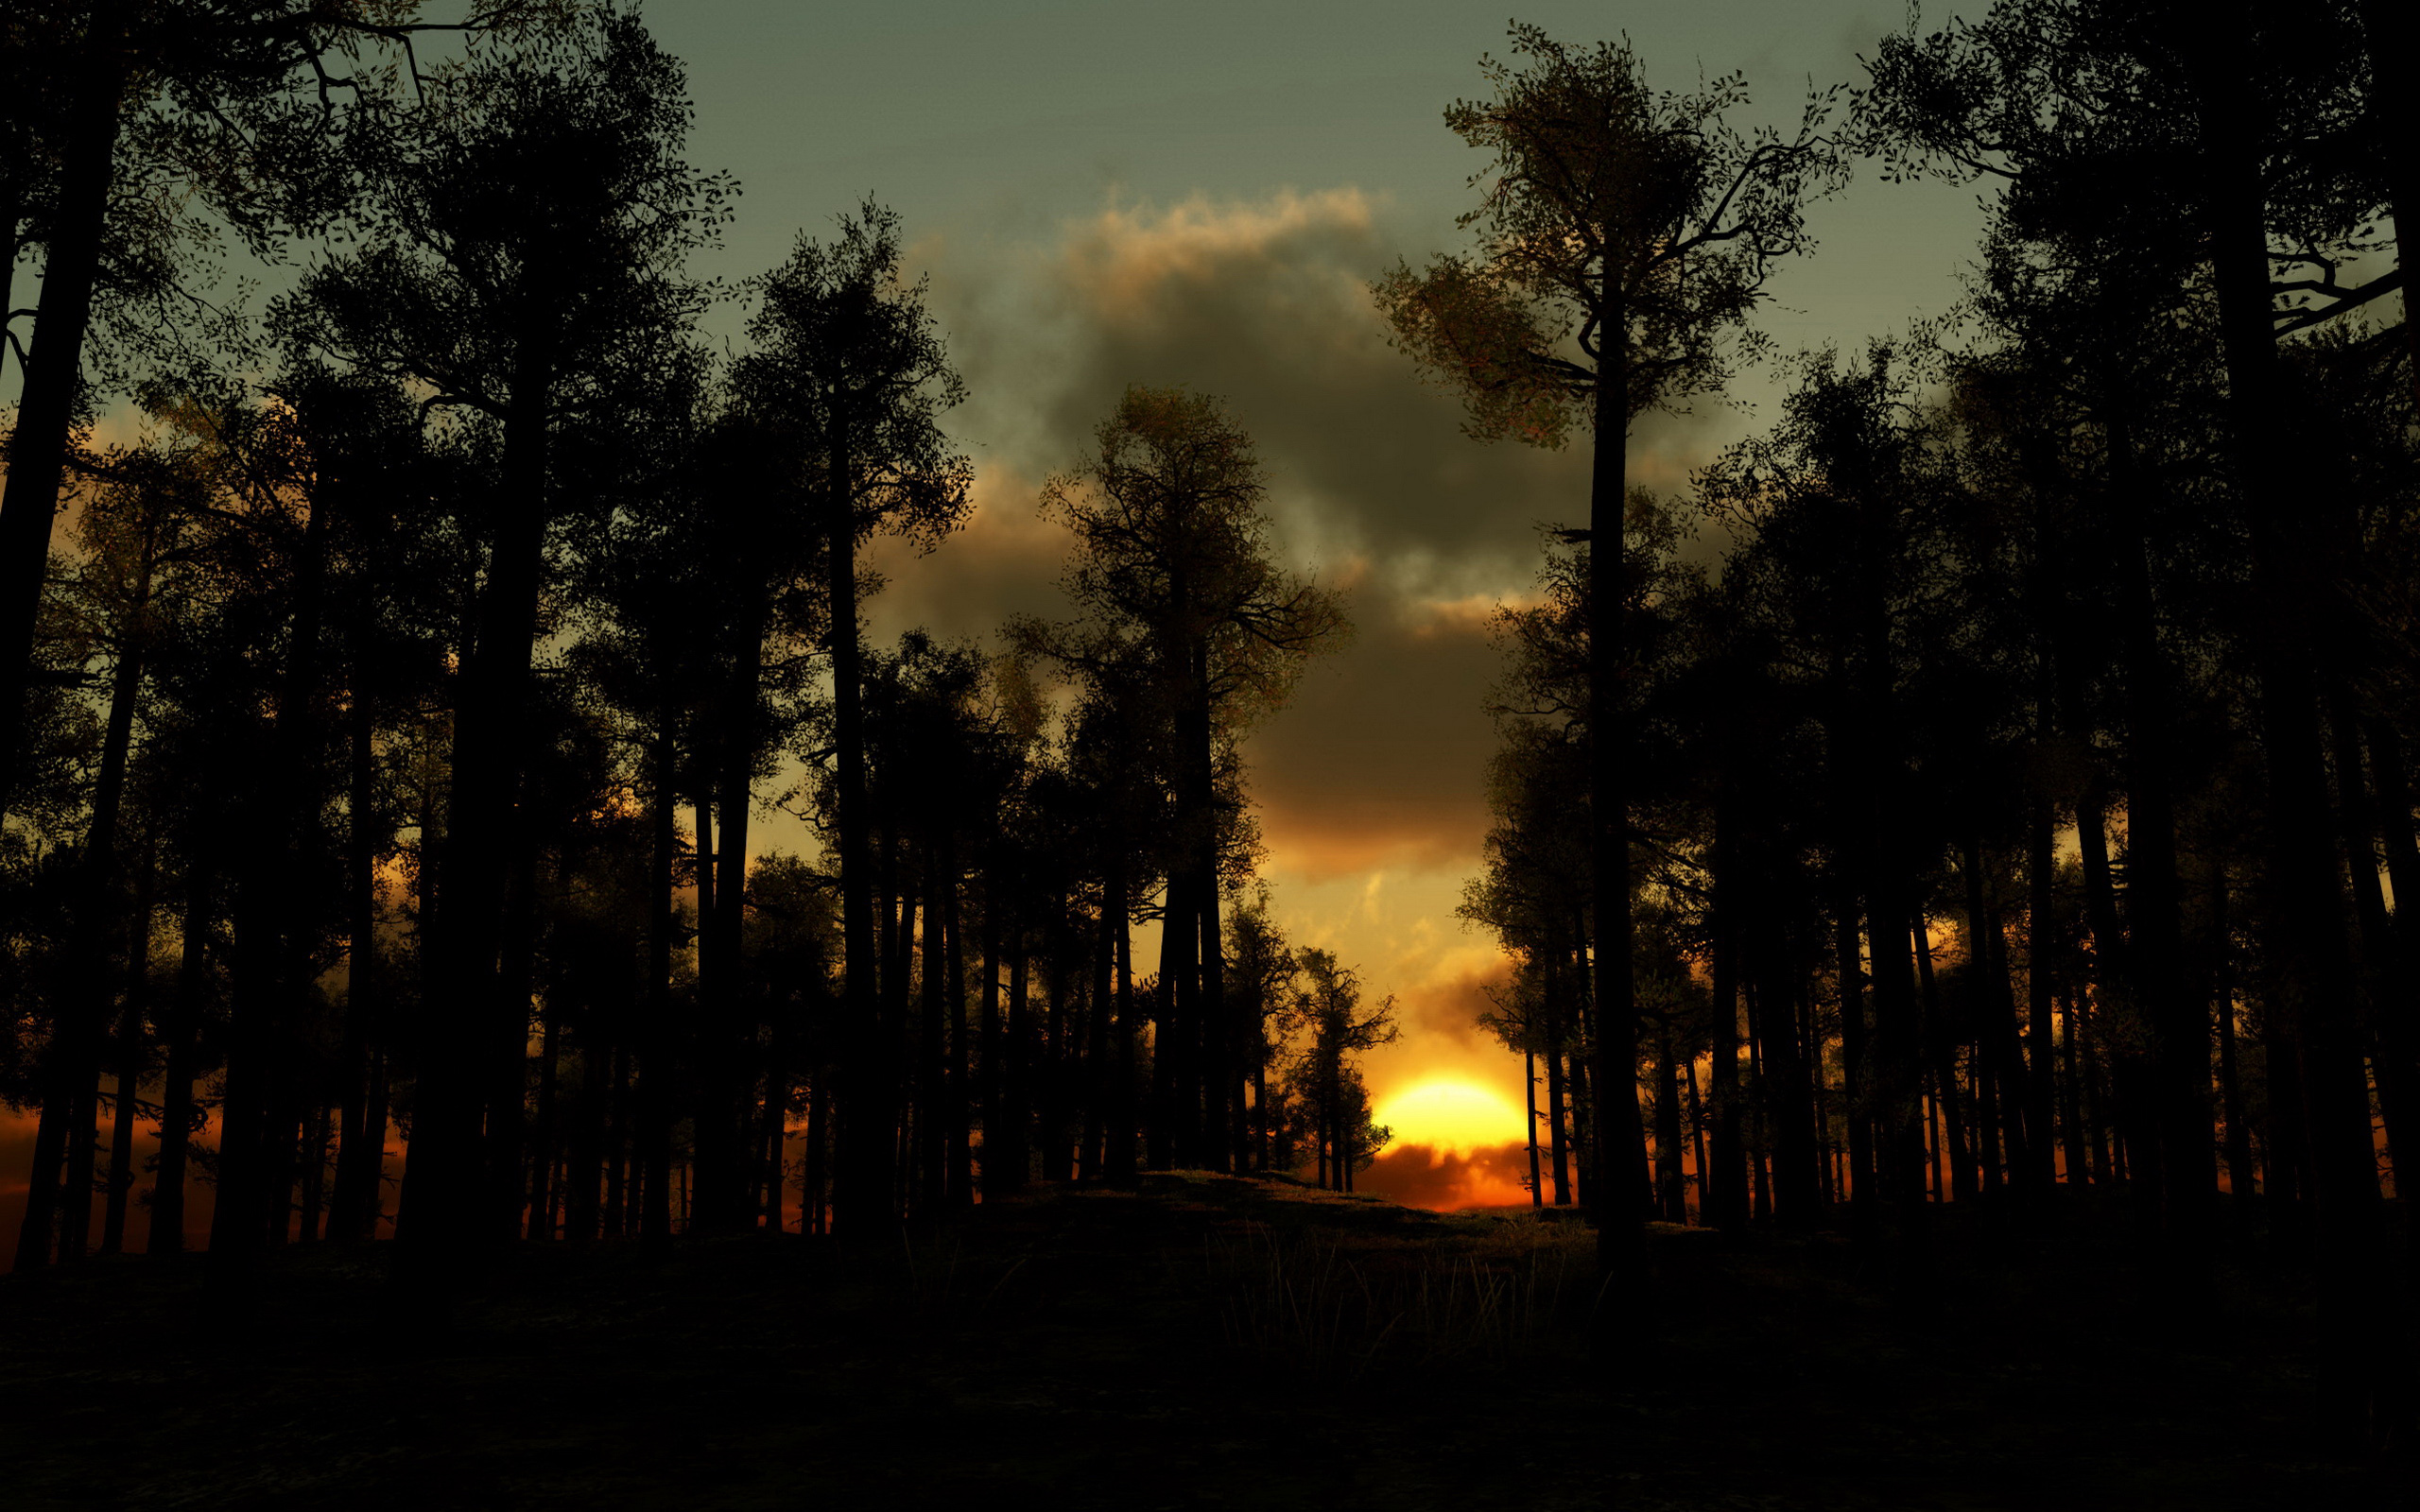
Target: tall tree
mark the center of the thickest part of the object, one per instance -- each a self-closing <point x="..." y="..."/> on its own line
<point x="848" y="364"/>
<point x="1623" y="231"/>
<point x="522" y="242"/>
<point x="1173" y="572"/>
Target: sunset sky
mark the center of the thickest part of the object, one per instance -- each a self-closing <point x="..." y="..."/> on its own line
<point x="1113" y="193"/>
<point x="1104" y="193"/>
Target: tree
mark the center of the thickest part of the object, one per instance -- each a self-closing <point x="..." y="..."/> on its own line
<point x="1623" y="231"/>
<point x="522" y="242"/>
<point x="1327" y="1006"/>
<point x="847" y="363"/>
<point x="1173" y="575"/>
<point x="2242" y="155"/>
<point x="137" y="107"/>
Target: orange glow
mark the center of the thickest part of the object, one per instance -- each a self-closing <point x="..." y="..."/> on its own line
<point x="1448" y="1113"/>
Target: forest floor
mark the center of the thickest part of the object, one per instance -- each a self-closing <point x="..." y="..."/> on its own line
<point x="1204" y="1342"/>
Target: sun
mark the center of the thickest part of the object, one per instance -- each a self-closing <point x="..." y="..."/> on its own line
<point x="1446" y="1112"/>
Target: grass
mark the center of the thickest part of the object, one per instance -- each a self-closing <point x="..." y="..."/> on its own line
<point x="1203" y="1342"/>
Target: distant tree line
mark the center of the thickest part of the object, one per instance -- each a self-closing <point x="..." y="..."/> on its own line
<point x="398" y="706"/>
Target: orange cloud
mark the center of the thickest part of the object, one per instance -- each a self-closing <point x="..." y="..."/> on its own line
<point x="1446" y="1180"/>
<point x="1125" y="256"/>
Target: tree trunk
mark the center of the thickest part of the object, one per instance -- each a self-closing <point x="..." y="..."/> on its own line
<point x="2386" y="980"/>
<point x="1671" y="1183"/>
<point x="47" y="401"/>
<point x="1122" y="1130"/>
<point x="1855" y="1076"/>
<point x="932" y="1044"/>
<point x="2004" y="1050"/>
<point x="508" y="1104"/>
<point x="2391" y="44"/>
<point x="651" y="1143"/>
<point x="2155" y="949"/>
<point x="166" y="1235"/>
<point x="2041" y="1081"/>
<point x="2238" y="1133"/>
<point x="361" y="1143"/>
<point x="1944" y="1070"/>
<point x="440" y="1226"/>
<point x="544" y="1140"/>
<point x="131" y="1058"/>
<point x="1000" y="1177"/>
<point x="1697" y="1131"/>
<point x="1175" y="1074"/>
<point x="584" y="1156"/>
<point x="1218" y="1033"/>
<point x="1529" y="1090"/>
<point x="1621" y="1150"/>
<point x="2071" y="1096"/>
<point x="1786" y="1064"/>
<point x="724" y="1101"/>
<point x="1089" y="1153"/>
<point x="1558" y="1100"/>
<point x="2356" y="1304"/>
<point x="815" y="1204"/>
<point x="260" y="1113"/>
<point x="1017" y="1140"/>
<point x="1722" y="1197"/>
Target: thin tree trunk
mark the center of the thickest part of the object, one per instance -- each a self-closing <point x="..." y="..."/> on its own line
<point x="1722" y="1197"/>
<point x="1558" y="1100"/>
<point x="584" y="1154"/>
<point x="1944" y="1068"/>
<point x="166" y="1235"/>
<point x="1089" y="1154"/>
<point x="651" y="1153"/>
<point x="1529" y="1090"/>
<point x="545" y="1138"/>
<point x="862" y="1174"/>
<point x="131" y="1057"/>
<point x="999" y="1178"/>
<point x="1172" y="1061"/>
<point x="360" y="1147"/>
<point x="2071" y="1097"/>
<point x="1672" y="1186"/>
<point x="1122" y="1131"/>
<point x="1016" y="1152"/>
<point x="1218" y="1034"/>
<point x="2004" y="1050"/>
<point x="2387" y="983"/>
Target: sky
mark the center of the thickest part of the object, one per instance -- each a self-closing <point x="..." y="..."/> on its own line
<point x="1106" y="194"/>
<point x="1142" y="191"/>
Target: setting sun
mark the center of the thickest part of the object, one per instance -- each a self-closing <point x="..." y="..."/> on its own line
<point x="1449" y="1113"/>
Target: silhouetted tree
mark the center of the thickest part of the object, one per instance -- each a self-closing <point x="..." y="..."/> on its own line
<point x="1623" y="232"/>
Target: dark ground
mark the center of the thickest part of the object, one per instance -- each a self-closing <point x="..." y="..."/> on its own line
<point x="1208" y="1341"/>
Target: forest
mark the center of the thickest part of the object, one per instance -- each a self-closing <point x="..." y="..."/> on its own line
<point x="1968" y="815"/>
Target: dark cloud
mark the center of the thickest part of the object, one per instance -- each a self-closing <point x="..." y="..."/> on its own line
<point x="1267" y="304"/>
<point x="1447" y="1002"/>
<point x="1420" y="1175"/>
<point x="1381" y="757"/>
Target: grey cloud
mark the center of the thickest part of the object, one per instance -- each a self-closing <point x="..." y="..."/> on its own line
<point x="1380" y="758"/>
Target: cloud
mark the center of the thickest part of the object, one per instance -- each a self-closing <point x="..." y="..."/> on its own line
<point x="1418" y="1176"/>
<point x="1447" y="1002"/>
<point x="1004" y="560"/>
<point x="1370" y="785"/>
<point x="1381" y="758"/>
